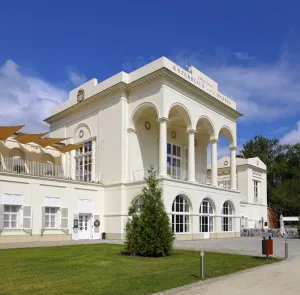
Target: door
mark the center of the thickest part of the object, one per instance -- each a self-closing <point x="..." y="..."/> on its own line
<point x="84" y="226"/>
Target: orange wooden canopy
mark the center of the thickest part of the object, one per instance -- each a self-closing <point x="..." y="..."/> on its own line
<point x="67" y="148"/>
<point x="43" y="142"/>
<point x="8" y="131"/>
<point x="28" y="137"/>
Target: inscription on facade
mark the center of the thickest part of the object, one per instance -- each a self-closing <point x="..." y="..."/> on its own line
<point x="202" y="83"/>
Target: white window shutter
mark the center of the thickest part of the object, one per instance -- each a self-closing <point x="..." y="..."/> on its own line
<point x="65" y="220"/>
<point x="1" y="217"/>
<point x="43" y="218"/>
<point x="27" y="219"/>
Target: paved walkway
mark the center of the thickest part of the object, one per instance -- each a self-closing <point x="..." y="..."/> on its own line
<point x="275" y="279"/>
<point x="243" y="246"/>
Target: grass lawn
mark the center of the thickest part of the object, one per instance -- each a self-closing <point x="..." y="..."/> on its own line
<point x="98" y="269"/>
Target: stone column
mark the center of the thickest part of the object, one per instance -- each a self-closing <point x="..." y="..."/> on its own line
<point x="233" y="167"/>
<point x="162" y="146"/>
<point x="191" y="158"/>
<point x="214" y="162"/>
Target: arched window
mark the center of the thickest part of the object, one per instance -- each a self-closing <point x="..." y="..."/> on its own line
<point x="17" y="161"/>
<point x="139" y="202"/>
<point x="206" y="219"/>
<point x="180" y="215"/>
<point x="227" y="213"/>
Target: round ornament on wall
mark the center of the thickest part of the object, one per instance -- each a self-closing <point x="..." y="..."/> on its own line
<point x="96" y="223"/>
<point x="225" y="163"/>
<point x="173" y="134"/>
<point x="147" y="125"/>
<point x="81" y="133"/>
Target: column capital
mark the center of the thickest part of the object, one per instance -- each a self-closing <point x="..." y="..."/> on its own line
<point x="162" y="119"/>
<point x="131" y="130"/>
<point x="214" y="140"/>
<point x="191" y="131"/>
<point x="233" y="148"/>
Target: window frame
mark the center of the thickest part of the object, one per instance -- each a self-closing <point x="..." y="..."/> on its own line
<point x="227" y="217"/>
<point x="206" y="218"/>
<point x="256" y="189"/>
<point x="53" y="212"/>
<point x="180" y="215"/>
<point x="174" y="170"/>
<point x="11" y="213"/>
<point x="84" y="162"/>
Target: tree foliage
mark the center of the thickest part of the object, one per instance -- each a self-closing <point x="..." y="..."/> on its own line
<point x="149" y="233"/>
<point x="283" y="173"/>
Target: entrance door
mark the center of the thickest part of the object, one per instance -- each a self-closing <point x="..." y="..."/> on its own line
<point x="84" y="226"/>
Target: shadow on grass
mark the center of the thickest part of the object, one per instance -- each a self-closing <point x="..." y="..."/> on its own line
<point x="127" y="254"/>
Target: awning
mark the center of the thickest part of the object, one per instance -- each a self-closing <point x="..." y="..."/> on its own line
<point x="43" y="142"/>
<point x="8" y="131"/>
<point x="68" y="147"/>
<point x="28" y="137"/>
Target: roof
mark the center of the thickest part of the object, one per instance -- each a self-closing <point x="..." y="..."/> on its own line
<point x="192" y="76"/>
<point x="291" y="218"/>
<point x="254" y="162"/>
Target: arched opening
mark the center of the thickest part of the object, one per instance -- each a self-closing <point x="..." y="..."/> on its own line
<point x="181" y="214"/>
<point x="205" y="133"/>
<point x="178" y="142"/>
<point x="143" y="137"/>
<point x="16" y="161"/>
<point x="226" y="154"/>
<point x="48" y="165"/>
<point x="227" y="216"/>
<point x="207" y="216"/>
<point x="138" y="202"/>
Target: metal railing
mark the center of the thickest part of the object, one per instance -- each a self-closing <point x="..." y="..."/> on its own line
<point x="202" y="178"/>
<point x="177" y="173"/>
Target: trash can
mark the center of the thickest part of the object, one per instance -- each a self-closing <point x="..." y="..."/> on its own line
<point x="267" y="246"/>
<point x="103" y="236"/>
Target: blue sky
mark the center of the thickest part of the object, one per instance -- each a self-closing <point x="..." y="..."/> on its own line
<point x="250" y="48"/>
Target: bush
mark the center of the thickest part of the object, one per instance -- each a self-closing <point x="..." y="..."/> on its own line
<point x="150" y="233"/>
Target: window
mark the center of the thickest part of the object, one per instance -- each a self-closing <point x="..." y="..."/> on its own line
<point x="11" y="216"/>
<point x="227" y="217"/>
<point x="50" y="217"/>
<point x="255" y="186"/>
<point x="139" y="202"/>
<point x="174" y="160"/>
<point x="206" y="219"/>
<point x="180" y="215"/>
<point x="83" y="160"/>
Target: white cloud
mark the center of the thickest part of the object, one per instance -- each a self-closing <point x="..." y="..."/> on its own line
<point x="76" y="78"/>
<point x="292" y="137"/>
<point x="25" y="99"/>
<point x="243" y="56"/>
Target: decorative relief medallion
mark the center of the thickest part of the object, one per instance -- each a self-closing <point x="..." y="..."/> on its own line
<point x="225" y="163"/>
<point x="173" y="134"/>
<point x="147" y="125"/>
<point x="81" y="133"/>
<point x="96" y="223"/>
<point x="80" y="95"/>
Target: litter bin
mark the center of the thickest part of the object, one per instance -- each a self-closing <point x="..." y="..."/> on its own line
<point x="267" y="246"/>
<point x="103" y="236"/>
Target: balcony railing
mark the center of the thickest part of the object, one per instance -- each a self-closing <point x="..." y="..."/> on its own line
<point x="177" y="173"/>
<point x="18" y="165"/>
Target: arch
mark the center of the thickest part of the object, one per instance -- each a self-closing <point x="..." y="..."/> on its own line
<point x="177" y="113"/>
<point x="181" y="214"/>
<point x="138" y="201"/>
<point x="205" y="125"/>
<point x="47" y="158"/>
<point x="211" y="200"/>
<point x="227" y="213"/>
<point x="232" y="206"/>
<point x="226" y="132"/>
<point x="142" y="108"/>
<point x="207" y="211"/>
<point x="17" y="153"/>
<point x="86" y="133"/>
<point x="17" y="163"/>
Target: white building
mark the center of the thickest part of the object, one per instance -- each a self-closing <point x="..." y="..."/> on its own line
<point x="159" y="115"/>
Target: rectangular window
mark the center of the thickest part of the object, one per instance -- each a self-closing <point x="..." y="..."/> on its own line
<point x="227" y="223"/>
<point x="174" y="161"/>
<point x="255" y="187"/>
<point x="11" y="214"/>
<point x="50" y="217"/>
<point x="83" y="161"/>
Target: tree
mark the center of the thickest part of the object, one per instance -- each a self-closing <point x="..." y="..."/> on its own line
<point x="149" y="233"/>
<point x="132" y="228"/>
<point x="155" y="233"/>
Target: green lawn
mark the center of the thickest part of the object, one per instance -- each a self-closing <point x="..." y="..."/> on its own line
<point x="98" y="269"/>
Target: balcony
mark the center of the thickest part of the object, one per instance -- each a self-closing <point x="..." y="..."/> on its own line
<point x="42" y="169"/>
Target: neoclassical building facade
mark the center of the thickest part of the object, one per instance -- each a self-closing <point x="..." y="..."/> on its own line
<point x="160" y="115"/>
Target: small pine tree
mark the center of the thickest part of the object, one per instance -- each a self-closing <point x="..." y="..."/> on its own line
<point x="155" y="235"/>
<point x="132" y="226"/>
